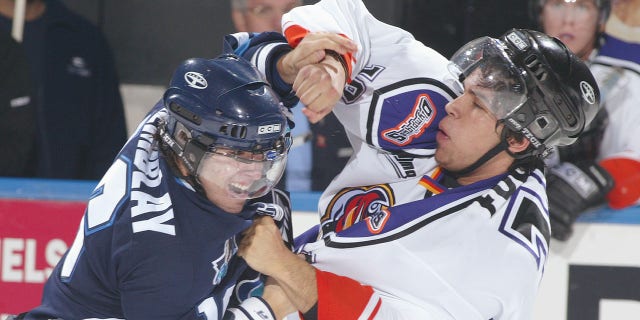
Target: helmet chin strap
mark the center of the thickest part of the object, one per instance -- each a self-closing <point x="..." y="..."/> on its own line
<point x="503" y="145"/>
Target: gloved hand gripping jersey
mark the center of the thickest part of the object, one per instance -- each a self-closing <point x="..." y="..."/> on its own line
<point x="573" y="188"/>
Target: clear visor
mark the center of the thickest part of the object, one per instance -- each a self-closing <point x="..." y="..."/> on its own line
<point x="241" y="174"/>
<point x="484" y="67"/>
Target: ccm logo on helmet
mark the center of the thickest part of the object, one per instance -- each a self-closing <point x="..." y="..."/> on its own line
<point x="195" y="80"/>
<point x="270" y="128"/>
<point x="517" y="41"/>
<point x="587" y="92"/>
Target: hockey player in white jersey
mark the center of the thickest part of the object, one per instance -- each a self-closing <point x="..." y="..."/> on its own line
<point x="476" y="251"/>
<point x="609" y="151"/>
<point x="395" y="97"/>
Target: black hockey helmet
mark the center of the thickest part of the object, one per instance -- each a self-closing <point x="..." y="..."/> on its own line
<point x="542" y="89"/>
<point x="223" y="106"/>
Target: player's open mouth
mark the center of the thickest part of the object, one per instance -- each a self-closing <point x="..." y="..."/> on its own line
<point x="239" y="188"/>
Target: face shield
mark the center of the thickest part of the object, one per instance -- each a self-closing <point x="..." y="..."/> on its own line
<point x="484" y="67"/>
<point x="241" y="174"/>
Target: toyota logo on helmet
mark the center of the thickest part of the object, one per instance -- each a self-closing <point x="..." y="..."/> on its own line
<point x="195" y="80"/>
<point x="588" y="94"/>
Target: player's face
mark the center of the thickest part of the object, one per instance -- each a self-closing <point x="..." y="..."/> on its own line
<point x="469" y="130"/>
<point x="229" y="176"/>
<point x="222" y="177"/>
<point x="265" y="15"/>
<point x="574" y="22"/>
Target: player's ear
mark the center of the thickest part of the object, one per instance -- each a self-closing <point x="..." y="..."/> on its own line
<point x="517" y="145"/>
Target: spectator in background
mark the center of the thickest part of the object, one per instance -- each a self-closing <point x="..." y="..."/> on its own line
<point x="624" y="22"/>
<point x="331" y="151"/>
<point x="16" y="109"/>
<point x="622" y="37"/>
<point x="260" y="15"/>
<point x="447" y="24"/>
<point x="581" y="174"/>
<point x="321" y="149"/>
<point x="80" y="124"/>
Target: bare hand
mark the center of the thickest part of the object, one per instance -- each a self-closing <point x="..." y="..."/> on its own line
<point x="262" y="247"/>
<point x="311" y="50"/>
<point x="319" y="87"/>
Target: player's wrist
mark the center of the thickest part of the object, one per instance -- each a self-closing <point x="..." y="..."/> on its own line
<point x="338" y="61"/>
<point x="286" y="69"/>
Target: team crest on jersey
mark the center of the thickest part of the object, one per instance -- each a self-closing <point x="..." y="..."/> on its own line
<point x="414" y="124"/>
<point x="221" y="265"/>
<point x="376" y="222"/>
<point x="351" y="205"/>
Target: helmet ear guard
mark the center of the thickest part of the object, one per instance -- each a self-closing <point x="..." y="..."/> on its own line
<point x="563" y="96"/>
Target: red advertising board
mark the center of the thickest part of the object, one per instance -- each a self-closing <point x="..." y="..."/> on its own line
<point x="34" y="235"/>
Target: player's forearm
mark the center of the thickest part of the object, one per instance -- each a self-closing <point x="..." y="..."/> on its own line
<point x="298" y="281"/>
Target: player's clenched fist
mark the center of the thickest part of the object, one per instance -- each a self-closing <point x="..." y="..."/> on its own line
<point x="319" y="87"/>
<point x="262" y="244"/>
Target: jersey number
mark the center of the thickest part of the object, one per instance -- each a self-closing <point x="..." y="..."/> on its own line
<point x="106" y="198"/>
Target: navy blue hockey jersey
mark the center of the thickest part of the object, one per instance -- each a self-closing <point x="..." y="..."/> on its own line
<point x="149" y="246"/>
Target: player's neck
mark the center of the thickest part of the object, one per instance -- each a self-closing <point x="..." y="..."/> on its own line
<point x="495" y="166"/>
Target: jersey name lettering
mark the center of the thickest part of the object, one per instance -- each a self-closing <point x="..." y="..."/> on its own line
<point x="155" y="210"/>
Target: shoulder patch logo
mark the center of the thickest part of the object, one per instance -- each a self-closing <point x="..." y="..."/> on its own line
<point x="414" y="125"/>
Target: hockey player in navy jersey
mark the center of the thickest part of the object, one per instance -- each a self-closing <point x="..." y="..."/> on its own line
<point x="160" y="233"/>
<point x="468" y="241"/>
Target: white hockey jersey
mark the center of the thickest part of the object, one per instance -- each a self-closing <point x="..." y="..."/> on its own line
<point x="619" y="82"/>
<point x="471" y="252"/>
<point x="390" y="109"/>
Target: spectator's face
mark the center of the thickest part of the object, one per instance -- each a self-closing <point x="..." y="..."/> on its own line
<point x="575" y="22"/>
<point x="262" y="15"/>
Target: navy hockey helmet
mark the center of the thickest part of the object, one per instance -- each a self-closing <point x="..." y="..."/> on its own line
<point x="223" y="107"/>
<point x="604" y="7"/>
<point x="541" y="89"/>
